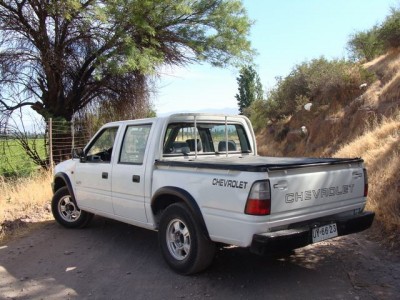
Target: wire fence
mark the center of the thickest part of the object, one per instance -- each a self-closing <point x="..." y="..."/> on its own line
<point x="65" y="136"/>
<point x="22" y="153"/>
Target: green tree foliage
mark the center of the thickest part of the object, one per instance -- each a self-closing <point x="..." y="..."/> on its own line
<point x="366" y="45"/>
<point x="319" y="81"/>
<point x="250" y="88"/>
<point x="389" y="32"/>
<point x="258" y="111"/>
<point x="59" y="56"/>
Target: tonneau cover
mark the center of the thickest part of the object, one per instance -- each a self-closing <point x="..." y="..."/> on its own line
<point x="253" y="163"/>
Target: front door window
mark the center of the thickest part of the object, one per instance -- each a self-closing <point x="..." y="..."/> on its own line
<point x="101" y="149"/>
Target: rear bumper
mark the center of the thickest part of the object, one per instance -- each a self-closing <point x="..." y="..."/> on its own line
<point x="273" y="242"/>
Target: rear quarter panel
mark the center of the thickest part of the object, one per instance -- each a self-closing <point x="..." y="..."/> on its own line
<point x="221" y="196"/>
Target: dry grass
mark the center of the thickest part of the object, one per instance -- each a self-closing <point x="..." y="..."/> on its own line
<point x="385" y="66"/>
<point x="367" y="127"/>
<point x="23" y="201"/>
<point x="380" y="148"/>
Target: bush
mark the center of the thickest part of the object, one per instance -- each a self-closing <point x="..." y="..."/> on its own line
<point x="256" y="112"/>
<point x="378" y="40"/>
<point x="319" y="81"/>
<point x="389" y="32"/>
<point x="365" y="45"/>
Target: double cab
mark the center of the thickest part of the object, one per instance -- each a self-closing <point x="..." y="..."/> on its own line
<point x="198" y="181"/>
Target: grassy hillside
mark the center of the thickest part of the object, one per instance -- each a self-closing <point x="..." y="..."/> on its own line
<point x="366" y="126"/>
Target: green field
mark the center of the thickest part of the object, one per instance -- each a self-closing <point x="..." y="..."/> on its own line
<point x="14" y="161"/>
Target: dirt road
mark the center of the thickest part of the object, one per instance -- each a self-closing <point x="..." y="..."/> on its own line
<point x="111" y="260"/>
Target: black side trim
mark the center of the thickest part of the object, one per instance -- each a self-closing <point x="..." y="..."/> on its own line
<point x="274" y="242"/>
<point x="328" y="162"/>
<point x="64" y="177"/>
<point x="186" y="198"/>
<point x="258" y="167"/>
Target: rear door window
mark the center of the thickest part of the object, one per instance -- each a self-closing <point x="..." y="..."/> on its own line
<point x="134" y="144"/>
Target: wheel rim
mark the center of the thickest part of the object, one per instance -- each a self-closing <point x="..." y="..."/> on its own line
<point x="68" y="210"/>
<point x="178" y="239"/>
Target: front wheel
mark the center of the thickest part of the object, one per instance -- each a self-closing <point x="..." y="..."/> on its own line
<point x="185" y="248"/>
<point x="66" y="212"/>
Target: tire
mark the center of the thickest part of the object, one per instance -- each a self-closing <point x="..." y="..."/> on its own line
<point x="66" y="212"/>
<point x="185" y="248"/>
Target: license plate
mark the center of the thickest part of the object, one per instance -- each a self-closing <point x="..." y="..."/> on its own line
<point x="324" y="233"/>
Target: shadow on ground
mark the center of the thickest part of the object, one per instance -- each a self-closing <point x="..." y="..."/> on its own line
<point x="112" y="260"/>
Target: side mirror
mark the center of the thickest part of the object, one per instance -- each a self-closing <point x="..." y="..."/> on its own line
<point x="185" y="151"/>
<point x="78" y="153"/>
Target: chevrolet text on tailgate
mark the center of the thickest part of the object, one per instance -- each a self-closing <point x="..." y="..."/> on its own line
<point x="198" y="181"/>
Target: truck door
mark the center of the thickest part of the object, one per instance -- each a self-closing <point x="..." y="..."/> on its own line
<point x="128" y="174"/>
<point x="93" y="173"/>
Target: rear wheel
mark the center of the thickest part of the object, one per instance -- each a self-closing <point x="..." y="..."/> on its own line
<point x="66" y="212"/>
<point x="185" y="248"/>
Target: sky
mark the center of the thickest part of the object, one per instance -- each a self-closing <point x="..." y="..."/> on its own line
<point x="285" y="33"/>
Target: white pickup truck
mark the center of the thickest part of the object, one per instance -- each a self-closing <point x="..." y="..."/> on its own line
<point x="198" y="181"/>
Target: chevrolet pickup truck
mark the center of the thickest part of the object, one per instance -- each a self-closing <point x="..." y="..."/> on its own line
<point x="198" y="181"/>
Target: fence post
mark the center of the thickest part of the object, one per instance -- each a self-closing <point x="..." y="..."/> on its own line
<point x="51" y="143"/>
<point x="73" y="134"/>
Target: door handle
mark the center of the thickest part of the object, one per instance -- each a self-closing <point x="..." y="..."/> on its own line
<point x="357" y="174"/>
<point x="136" y="178"/>
<point x="281" y="185"/>
<point x="104" y="175"/>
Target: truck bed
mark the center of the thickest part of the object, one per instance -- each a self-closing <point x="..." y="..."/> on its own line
<point x="254" y="163"/>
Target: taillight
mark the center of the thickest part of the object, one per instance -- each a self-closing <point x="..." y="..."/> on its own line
<point x="365" y="183"/>
<point x="259" y="200"/>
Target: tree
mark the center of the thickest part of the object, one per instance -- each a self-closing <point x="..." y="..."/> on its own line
<point x="389" y="32"/>
<point x="365" y="44"/>
<point x="59" y="56"/>
<point x="377" y="40"/>
<point x="250" y="88"/>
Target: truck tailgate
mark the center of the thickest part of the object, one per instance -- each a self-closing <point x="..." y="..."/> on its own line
<point x="314" y="191"/>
